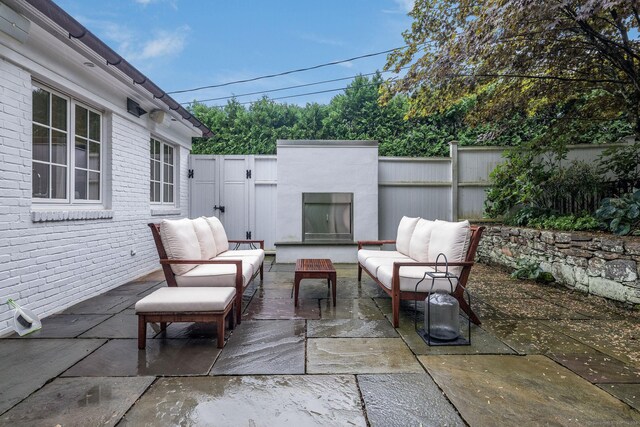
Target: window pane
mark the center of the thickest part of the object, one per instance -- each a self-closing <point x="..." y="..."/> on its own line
<point x="39" y="180"/>
<point x="94" y="186"/>
<point x="81" y="121"/>
<point x="40" y="106"/>
<point x="169" y="198"/>
<point x="169" y="155"/>
<point x="165" y="173"/>
<point x="156" y="171"/>
<point x="58" y="112"/>
<point x="156" y="150"/>
<point x="165" y="196"/>
<point x="169" y="176"/>
<point x="94" y="126"/>
<point x="81" y="185"/>
<point x="58" y="182"/>
<point x="40" y="139"/>
<point x="59" y="147"/>
<point x="156" y="190"/>
<point x="81" y="153"/>
<point x="151" y="194"/>
<point x="94" y="156"/>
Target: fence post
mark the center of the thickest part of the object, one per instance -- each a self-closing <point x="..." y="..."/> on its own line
<point x="453" y="153"/>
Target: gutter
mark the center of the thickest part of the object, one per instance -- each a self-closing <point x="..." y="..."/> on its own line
<point x="79" y="32"/>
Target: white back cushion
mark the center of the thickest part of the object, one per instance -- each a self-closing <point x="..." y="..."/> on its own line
<point x="451" y="239"/>
<point x="205" y="238"/>
<point x="180" y="242"/>
<point x="219" y="235"/>
<point x="405" y="230"/>
<point x="419" y="244"/>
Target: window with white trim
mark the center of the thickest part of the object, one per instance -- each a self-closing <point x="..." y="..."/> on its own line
<point x="162" y="183"/>
<point x="67" y="150"/>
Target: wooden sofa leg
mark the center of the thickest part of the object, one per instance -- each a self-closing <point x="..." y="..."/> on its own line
<point x="232" y="317"/>
<point x="359" y="273"/>
<point x="465" y="307"/>
<point x="238" y="309"/>
<point x="262" y="271"/>
<point x="395" y="303"/>
<point x="220" y="323"/>
<point x="142" y="332"/>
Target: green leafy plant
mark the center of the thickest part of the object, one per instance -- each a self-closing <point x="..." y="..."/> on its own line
<point x="624" y="162"/>
<point x="621" y="215"/>
<point x="529" y="269"/>
<point x="566" y="222"/>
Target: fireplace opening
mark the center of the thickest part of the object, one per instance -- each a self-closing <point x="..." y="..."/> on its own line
<point x="327" y="217"/>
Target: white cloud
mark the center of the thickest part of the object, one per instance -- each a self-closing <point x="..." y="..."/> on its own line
<point x="403" y="6"/>
<point x="321" y="39"/>
<point x="347" y="64"/>
<point x="143" y="2"/>
<point x="164" y="44"/>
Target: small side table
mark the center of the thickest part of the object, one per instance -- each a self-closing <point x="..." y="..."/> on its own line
<point x="314" y="269"/>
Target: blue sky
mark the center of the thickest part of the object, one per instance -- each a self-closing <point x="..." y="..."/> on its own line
<point x="181" y="44"/>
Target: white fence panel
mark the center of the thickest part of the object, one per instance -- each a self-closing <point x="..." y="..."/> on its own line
<point x="264" y="208"/>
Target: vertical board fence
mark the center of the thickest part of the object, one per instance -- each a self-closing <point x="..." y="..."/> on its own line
<point x="449" y="188"/>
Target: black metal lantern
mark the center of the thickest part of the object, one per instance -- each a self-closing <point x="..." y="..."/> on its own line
<point x="442" y="310"/>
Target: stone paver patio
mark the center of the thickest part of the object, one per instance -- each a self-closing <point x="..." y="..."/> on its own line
<point x="543" y="356"/>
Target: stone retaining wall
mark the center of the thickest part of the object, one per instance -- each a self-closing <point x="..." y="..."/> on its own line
<point x="599" y="264"/>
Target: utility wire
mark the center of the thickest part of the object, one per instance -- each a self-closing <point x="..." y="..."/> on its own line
<point x="285" y="88"/>
<point x="301" y="94"/>
<point x="284" y="73"/>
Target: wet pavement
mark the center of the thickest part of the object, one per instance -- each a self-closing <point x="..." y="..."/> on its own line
<point x="543" y="356"/>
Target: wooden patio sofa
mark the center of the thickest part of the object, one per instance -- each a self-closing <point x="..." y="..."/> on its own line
<point x="204" y="259"/>
<point x="417" y="245"/>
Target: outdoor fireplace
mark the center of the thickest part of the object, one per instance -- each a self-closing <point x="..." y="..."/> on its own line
<point x="327" y="217"/>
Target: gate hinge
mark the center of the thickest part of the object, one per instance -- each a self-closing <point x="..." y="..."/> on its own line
<point x="248" y="235"/>
<point x="248" y="173"/>
<point x="190" y="173"/>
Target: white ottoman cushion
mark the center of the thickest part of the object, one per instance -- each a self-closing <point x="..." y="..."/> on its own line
<point x="175" y="299"/>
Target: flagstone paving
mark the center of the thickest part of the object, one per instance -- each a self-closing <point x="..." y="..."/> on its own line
<point x="543" y="355"/>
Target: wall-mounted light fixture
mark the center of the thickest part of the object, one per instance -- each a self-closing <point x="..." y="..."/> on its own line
<point x="157" y="116"/>
<point x="134" y="108"/>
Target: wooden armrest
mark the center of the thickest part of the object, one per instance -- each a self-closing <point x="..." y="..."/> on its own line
<point x="362" y="243"/>
<point x="201" y="261"/>
<point x="261" y="242"/>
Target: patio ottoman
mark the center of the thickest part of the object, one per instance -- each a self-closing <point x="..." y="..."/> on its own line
<point x="176" y="304"/>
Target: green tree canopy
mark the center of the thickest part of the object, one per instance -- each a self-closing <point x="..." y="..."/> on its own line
<point x="571" y="60"/>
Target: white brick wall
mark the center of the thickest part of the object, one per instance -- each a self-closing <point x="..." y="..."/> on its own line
<point x="48" y="266"/>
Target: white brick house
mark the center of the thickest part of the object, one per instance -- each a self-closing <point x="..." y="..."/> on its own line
<point x="76" y="181"/>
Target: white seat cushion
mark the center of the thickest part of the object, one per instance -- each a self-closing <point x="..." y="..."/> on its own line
<point x="451" y="239"/>
<point x="372" y="264"/>
<point x="363" y="254"/>
<point x="220" y="236"/>
<point x="405" y="230"/>
<point x="409" y="277"/>
<point x="215" y="275"/>
<point x="186" y="299"/>
<point x="241" y="253"/>
<point x="419" y="245"/>
<point x="180" y="242"/>
<point x="253" y="260"/>
<point x="205" y="238"/>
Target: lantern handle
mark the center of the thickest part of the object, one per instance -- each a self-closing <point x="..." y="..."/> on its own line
<point x="446" y="262"/>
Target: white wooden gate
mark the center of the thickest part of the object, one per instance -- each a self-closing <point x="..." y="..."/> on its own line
<point x="240" y="190"/>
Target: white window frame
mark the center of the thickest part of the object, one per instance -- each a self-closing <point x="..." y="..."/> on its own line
<point x="163" y="178"/>
<point x="70" y="200"/>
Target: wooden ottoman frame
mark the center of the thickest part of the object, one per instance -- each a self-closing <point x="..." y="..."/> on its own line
<point x="189" y="316"/>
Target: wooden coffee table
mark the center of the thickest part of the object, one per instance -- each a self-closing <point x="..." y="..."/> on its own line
<point x="315" y="269"/>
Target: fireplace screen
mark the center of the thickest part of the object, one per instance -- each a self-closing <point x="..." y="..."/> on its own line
<point x="327" y="217"/>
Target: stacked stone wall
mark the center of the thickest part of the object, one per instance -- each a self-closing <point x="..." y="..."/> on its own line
<point x="598" y="264"/>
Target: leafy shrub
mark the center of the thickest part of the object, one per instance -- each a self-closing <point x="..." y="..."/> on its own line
<point x="624" y="162"/>
<point x="621" y="215"/>
<point x="529" y="269"/>
<point x="566" y="222"/>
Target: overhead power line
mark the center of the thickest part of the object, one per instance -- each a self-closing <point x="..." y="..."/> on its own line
<point x="301" y="94"/>
<point x="284" y="88"/>
<point x="284" y="73"/>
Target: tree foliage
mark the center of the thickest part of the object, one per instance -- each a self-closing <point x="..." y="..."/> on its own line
<point x="569" y="59"/>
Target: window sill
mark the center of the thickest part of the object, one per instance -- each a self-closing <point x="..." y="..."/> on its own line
<point x="69" y="215"/>
<point x="165" y="212"/>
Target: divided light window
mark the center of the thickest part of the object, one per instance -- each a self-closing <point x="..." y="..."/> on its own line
<point x="162" y="172"/>
<point x="67" y="149"/>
